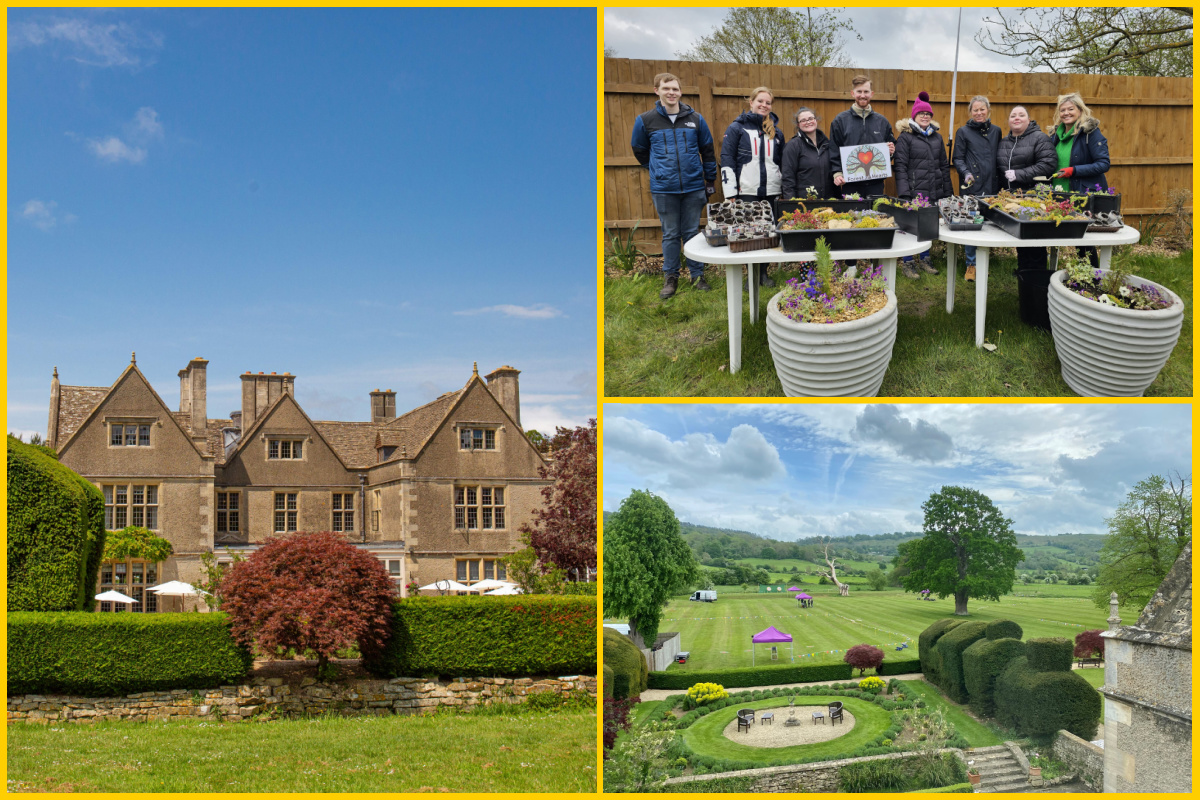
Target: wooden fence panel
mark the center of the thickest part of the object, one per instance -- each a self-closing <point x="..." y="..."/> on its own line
<point x="1147" y="121"/>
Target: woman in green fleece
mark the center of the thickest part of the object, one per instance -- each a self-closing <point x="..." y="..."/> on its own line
<point x="1082" y="152"/>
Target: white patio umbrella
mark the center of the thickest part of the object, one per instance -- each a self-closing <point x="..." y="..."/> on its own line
<point x="506" y="590"/>
<point x="445" y="586"/>
<point x="113" y="596"/>
<point x="175" y="589"/>
<point x="488" y="584"/>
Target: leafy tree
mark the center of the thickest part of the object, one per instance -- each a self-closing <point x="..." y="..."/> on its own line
<point x="214" y="573"/>
<point x="537" y="440"/>
<point x="638" y="763"/>
<point x="767" y="552"/>
<point x="135" y="542"/>
<point x="564" y="527"/>
<point x="1088" y="644"/>
<point x="969" y="549"/>
<point x="1153" y="41"/>
<point x="310" y="591"/>
<point x="1145" y="536"/>
<point x="646" y="560"/>
<point x="775" y="35"/>
<point x="877" y="580"/>
<point x="533" y="575"/>
<point x="610" y="52"/>
<point x="863" y="657"/>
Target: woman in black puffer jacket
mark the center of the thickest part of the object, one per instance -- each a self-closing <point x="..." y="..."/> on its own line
<point x="806" y="159"/>
<point x="1026" y="153"/>
<point x="975" y="146"/>
<point x="921" y="166"/>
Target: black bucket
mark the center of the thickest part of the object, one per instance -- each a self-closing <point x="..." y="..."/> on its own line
<point x="1033" y="288"/>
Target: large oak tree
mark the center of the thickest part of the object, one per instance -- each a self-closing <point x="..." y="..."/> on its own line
<point x="969" y="549"/>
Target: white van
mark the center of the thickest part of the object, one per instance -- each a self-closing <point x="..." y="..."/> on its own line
<point x="706" y="596"/>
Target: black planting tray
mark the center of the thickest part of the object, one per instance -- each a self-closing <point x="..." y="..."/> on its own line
<point x="840" y="206"/>
<point x="838" y="239"/>
<point x="1096" y="203"/>
<point x="1034" y="230"/>
<point x="921" y="222"/>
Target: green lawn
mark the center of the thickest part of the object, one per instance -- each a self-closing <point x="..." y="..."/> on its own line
<point x="966" y="725"/>
<point x="517" y="752"/>
<point x="705" y="737"/>
<point x="680" y="347"/>
<point x="718" y="634"/>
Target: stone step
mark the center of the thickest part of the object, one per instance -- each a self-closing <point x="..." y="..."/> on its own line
<point x="1007" y="777"/>
<point x="1008" y="787"/>
<point x="993" y="759"/>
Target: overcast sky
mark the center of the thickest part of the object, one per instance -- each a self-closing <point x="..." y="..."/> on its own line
<point x="893" y="38"/>
<point x="791" y="471"/>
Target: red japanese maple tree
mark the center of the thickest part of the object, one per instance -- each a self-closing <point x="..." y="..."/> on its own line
<point x="1088" y="644"/>
<point x="309" y="591"/>
<point x="564" y="528"/>
<point x="864" y="656"/>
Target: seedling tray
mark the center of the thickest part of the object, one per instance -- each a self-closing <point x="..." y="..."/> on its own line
<point x="838" y="239"/>
<point x="1096" y="203"/>
<point x="963" y="226"/>
<point x="1033" y="230"/>
<point x="921" y="222"/>
<point x="715" y="239"/>
<point x="840" y="206"/>
<point x="761" y="243"/>
<point x="1103" y="228"/>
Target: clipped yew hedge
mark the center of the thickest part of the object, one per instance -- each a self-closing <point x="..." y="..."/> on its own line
<point x="1052" y="654"/>
<point x="951" y="646"/>
<point x="902" y="667"/>
<point x="1004" y="629"/>
<point x="930" y="658"/>
<point x="983" y="662"/>
<point x="1037" y="704"/>
<point x="489" y="636"/>
<point x="751" y="676"/>
<point x="629" y="670"/>
<point x="55" y="533"/>
<point x="106" y="655"/>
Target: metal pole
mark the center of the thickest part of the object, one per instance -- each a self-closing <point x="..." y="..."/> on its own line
<point x="954" y="80"/>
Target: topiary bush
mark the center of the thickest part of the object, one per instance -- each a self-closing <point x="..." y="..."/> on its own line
<point x="901" y="667"/>
<point x="518" y="635"/>
<point x="951" y="646"/>
<point x="872" y="684"/>
<point x="750" y="676"/>
<point x="1004" y="629"/>
<point x="930" y="659"/>
<point x="55" y="533"/>
<point x="1038" y="704"/>
<point x="983" y="662"/>
<point x="1051" y="654"/>
<point x="706" y="694"/>
<point x="105" y="655"/>
<point x="608" y="682"/>
<point x="627" y="663"/>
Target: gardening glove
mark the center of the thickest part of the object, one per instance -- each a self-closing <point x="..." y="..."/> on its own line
<point x="1010" y="174"/>
<point x="728" y="183"/>
<point x="710" y="188"/>
<point x="1065" y="172"/>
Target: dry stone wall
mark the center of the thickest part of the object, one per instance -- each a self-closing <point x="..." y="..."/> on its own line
<point x="817" y="777"/>
<point x="1084" y="758"/>
<point x="275" y="698"/>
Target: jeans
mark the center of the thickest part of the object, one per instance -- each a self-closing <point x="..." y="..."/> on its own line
<point x="969" y="252"/>
<point x="680" y="217"/>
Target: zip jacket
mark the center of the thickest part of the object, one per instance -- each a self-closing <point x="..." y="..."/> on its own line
<point x="1029" y="155"/>
<point x="749" y="160"/>
<point x="678" y="154"/>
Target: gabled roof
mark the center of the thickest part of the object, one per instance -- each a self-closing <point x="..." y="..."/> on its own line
<point x="1167" y="618"/>
<point x="248" y="435"/>
<point x="353" y="441"/>
<point x="409" y="432"/>
<point x="74" y="405"/>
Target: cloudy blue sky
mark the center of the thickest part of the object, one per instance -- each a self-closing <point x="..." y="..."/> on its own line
<point x="367" y="198"/>
<point x="788" y="471"/>
<point x="893" y="38"/>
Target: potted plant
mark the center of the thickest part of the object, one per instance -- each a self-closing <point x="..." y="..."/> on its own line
<point x="831" y="335"/>
<point x="849" y="230"/>
<point x="973" y="775"/>
<point x="917" y="216"/>
<point x="1113" y="332"/>
<point x="1035" y="773"/>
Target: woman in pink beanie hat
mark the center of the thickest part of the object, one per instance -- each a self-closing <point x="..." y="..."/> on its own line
<point x="921" y="166"/>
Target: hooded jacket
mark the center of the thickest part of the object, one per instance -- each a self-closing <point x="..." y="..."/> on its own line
<point x="921" y="165"/>
<point x="678" y="154"/>
<point x="975" y="147"/>
<point x="1029" y="155"/>
<point x="749" y="160"/>
<point x="805" y="165"/>
<point x="1089" y="156"/>
<point x="849" y="129"/>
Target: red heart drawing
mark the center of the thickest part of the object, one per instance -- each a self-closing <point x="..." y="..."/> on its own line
<point x="866" y="157"/>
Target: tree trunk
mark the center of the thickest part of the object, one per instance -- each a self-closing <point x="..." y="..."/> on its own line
<point x="634" y="634"/>
<point x="960" y="603"/>
<point x="843" y="588"/>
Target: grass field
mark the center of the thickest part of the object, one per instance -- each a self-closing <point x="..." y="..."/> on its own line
<point x="680" y="347"/>
<point x="967" y="726"/>
<point x="718" y="634"/>
<point x="519" y="752"/>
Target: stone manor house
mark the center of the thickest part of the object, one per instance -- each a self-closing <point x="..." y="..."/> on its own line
<point x="438" y="492"/>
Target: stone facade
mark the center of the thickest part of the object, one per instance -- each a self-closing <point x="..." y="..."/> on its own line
<point x="272" y="697"/>
<point x="1086" y="760"/>
<point x="1148" y="691"/>
<point x="400" y="476"/>
<point x="818" y="777"/>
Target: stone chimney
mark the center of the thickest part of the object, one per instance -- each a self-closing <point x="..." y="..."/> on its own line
<point x="52" y="423"/>
<point x="260" y="391"/>
<point x="193" y="394"/>
<point x="383" y="406"/>
<point x="505" y="387"/>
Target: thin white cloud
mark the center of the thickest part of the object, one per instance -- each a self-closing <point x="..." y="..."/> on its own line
<point x="115" y="151"/>
<point x="43" y="214"/>
<point x="98" y="45"/>
<point x="535" y="311"/>
<point x="143" y="130"/>
<point x="146" y="124"/>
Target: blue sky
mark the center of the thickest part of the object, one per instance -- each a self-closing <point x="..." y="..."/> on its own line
<point x="788" y="471"/>
<point x="364" y="198"/>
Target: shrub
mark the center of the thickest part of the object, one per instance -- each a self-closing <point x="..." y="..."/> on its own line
<point x="902" y="667"/>
<point x="951" y="647"/>
<point x="136" y="542"/>
<point x="518" y="635"/>
<point x="916" y="773"/>
<point x="105" y="655"/>
<point x="1004" y="629"/>
<point x="55" y="533"/>
<point x="1037" y="704"/>
<point x="608" y="682"/>
<point x="750" y="676"/>
<point x="310" y="591"/>
<point x="1089" y="644"/>
<point x="705" y="693"/>
<point x="627" y="662"/>
<point x="616" y="718"/>
<point x="983" y="662"/>
<point x="863" y="657"/>
<point x="1052" y="654"/>
<point x="929" y="657"/>
<point x="872" y="684"/>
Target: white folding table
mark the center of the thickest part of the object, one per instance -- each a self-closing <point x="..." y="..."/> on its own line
<point x="903" y="244"/>
<point x="991" y="236"/>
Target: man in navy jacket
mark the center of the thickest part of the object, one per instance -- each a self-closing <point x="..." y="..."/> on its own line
<point x="674" y="142"/>
<point x="860" y="124"/>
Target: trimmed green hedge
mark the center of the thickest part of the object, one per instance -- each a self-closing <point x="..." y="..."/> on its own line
<point x="485" y="636"/>
<point x="627" y="663"/>
<point x="608" y="682"/>
<point x="1004" y="629"/>
<point x="104" y="655"/>
<point x="1037" y="704"/>
<point x="752" y="676"/>
<point x="55" y="533"/>
<point x="982" y="664"/>
<point x="1051" y="654"/>
<point x="951" y="647"/>
<point x="899" y="667"/>
<point x="928" y="655"/>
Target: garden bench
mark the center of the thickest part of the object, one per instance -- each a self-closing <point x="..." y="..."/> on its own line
<point x="835" y="712"/>
<point x="743" y="721"/>
<point x="1091" y="662"/>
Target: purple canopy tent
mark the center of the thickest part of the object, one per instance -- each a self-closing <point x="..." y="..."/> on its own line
<point x="793" y="588"/>
<point x="770" y="636"/>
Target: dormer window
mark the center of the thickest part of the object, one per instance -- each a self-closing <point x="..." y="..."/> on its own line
<point x="476" y="439"/>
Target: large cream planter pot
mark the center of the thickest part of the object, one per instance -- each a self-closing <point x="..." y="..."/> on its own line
<point x="1108" y="351"/>
<point x="839" y="359"/>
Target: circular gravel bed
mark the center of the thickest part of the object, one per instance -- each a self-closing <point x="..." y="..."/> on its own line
<point x="776" y="734"/>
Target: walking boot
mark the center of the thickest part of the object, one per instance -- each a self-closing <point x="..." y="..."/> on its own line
<point x="669" y="287"/>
